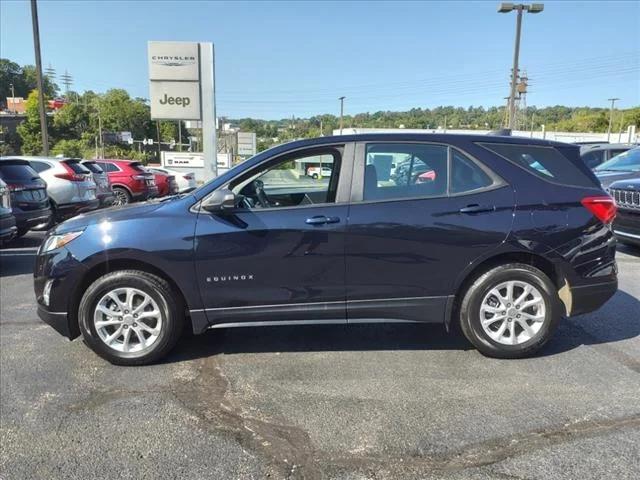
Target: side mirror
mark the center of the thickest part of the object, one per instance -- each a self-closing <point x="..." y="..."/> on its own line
<point x="219" y="201"/>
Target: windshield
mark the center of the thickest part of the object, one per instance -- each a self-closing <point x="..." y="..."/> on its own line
<point x="625" y="162"/>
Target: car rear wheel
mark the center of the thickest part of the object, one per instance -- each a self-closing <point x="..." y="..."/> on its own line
<point x="122" y="197"/>
<point x="510" y="311"/>
<point x="130" y="317"/>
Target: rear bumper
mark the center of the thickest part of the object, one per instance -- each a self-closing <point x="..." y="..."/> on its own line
<point x="27" y="219"/>
<point x="150" y="192"/>
<point x="69" y="210"/>
<point x="587" y="298"/>
<point x="8" y="228"/>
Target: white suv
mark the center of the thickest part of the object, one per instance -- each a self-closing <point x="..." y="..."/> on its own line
<point x="315" y="172"/>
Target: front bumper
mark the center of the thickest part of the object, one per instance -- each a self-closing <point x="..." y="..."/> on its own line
<point x="587" y="298"/>
<point x="106" y="199"/>
<point x="59" y="321"/>
<point x="626" y="226"/>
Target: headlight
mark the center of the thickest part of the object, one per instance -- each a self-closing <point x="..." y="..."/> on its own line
<point x="59" y="241"/>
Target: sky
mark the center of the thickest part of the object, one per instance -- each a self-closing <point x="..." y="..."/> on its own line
<point x="280" y="59"/>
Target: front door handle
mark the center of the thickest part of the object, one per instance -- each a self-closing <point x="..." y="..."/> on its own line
<point x="321" y="220"/>
<point x="475" y="208"/>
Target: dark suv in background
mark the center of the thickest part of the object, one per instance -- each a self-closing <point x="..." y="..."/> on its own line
<point x="29" y="199"/>
<point x="506" y="237"/>
<point x="104" y="193"/>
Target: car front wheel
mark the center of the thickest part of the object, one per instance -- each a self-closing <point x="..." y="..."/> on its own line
<point x="130" y="317"/>
<point x="510" y="311"/>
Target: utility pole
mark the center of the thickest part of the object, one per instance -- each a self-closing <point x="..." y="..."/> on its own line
<point x="341" y="112"/>
<point x="519" y="8"/>
<point x="13" y="98"/>
<point x="41" y="107"/>
<point x="613" y="101"/>
<point x="179" y="135"/>
<point x="67" y="80"/>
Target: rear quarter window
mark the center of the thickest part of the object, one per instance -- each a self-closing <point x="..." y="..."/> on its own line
<point x="544" y="162"/>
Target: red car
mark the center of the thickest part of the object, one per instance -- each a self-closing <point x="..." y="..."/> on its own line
<point x="129" y="180"/>
<point x="166" y="183"/>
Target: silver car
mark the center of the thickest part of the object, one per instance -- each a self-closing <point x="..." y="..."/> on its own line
<point x="70" y="185"/>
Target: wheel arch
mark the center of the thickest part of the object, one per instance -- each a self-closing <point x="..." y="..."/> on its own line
<point x="466" y="278"/>
<point x="122" y="185"/>
<point x="108" y="266"/>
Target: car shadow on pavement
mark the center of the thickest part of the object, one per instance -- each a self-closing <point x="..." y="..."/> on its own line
<point x="590" y="329"/>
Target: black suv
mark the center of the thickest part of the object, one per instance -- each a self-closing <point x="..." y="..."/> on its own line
<point x="504" y="238"/>
<point x="29" y="198"/>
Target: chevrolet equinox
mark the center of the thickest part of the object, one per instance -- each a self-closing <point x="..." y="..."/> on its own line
<point x="503" y="238"/>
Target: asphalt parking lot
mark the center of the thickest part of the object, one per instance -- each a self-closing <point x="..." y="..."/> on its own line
<point x="344" y="402"/>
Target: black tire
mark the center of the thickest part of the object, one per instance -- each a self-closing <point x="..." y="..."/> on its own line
<point x="314" y="176"/>
<point x="470" y="310"/>
<point x="122" y="196"/>
<point x="169" y="303"/>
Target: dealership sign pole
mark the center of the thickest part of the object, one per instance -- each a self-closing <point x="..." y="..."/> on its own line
<point x="181" y="87"/>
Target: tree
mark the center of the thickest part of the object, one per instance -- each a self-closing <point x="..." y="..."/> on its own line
<point x="29" y="130"/>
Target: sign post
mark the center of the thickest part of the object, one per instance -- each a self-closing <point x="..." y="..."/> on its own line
<point x="182" y="87"/>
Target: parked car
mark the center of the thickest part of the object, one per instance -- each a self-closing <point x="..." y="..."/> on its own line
<point x="130" y="181"/>
<point x="621" y="167"/>
<point x="70" y="187"/>
<point x="626" y="194"/>
<point x="594" y="154"/>
<point x="185" y="181"/>
<point x="104" y="193"/>
<point x="29" y="199"/>
<point x="500" y="247"/>
<point x="166" y="183"/>
<point x="314" y="172"/>
<point x="8" y="229"/>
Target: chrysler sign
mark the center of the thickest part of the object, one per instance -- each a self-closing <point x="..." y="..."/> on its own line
<point x="174" y="81"/>
<point x="174" y="61"/>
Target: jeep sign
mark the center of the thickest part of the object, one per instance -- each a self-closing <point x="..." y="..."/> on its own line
<point x="175" y="100"/>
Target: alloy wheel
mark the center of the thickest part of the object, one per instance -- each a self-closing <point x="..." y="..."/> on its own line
<point x="128" y="320"/>
<point x="121" y="197"/>
<point x="513" y="312"/>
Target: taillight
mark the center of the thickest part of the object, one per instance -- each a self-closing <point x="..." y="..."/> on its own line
<point x="187" y="177"/>
<point x="15" y="188"/>
<point x="70" y="174"/>
<point x="603" y="207"/>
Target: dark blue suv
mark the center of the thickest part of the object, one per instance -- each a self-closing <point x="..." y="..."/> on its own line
<point x="501" y="236"/>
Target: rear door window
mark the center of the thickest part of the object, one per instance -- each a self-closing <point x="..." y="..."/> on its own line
<point x="466" y="176"/>
<point x="544" y="162"/>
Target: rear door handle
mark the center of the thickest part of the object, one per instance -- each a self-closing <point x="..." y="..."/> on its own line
<point x="478" y="208"/>
<point x="321" y="220"/>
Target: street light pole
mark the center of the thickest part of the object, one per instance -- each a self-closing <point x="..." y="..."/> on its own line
<point x="41" y="108"/>
<point x="341" y="112"/>
<point x="514" y="73"/>
<point x="519" y="8"/>
<point x="613" y="101"/>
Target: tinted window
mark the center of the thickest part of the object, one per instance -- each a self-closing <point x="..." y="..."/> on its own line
<point x="544" y="162"/>
<point x="404" y="170"/>
<point x="16" y="172"/>
<point x="39" y="166"/>
<point x="625" y="162"/>
<point x="108" y="167"/>
<point x="77" y="167"/>
<point x="466" y="176"/>
<point x="93" y="166"/>
<point x="613" y="153"/>
<point x="593" y="159"/>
